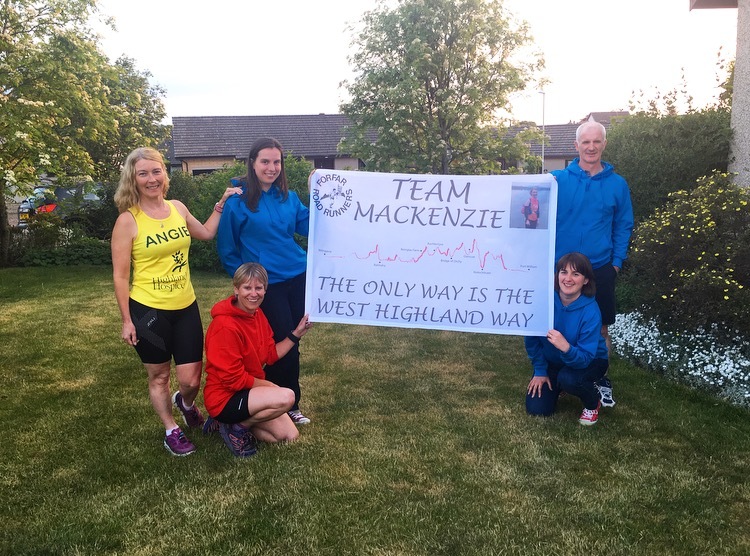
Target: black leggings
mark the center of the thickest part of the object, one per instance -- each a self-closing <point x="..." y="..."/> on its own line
<point x="163" y="334"/>
<point x="284" y="307"/>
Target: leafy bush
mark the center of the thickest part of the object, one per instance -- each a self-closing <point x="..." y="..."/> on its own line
<point x="45" y="231"/>
<point x="72" y="251"/>
<point x="297" y="172"/>
<point x="185" y="188"/>
<point x="50" y="241"/>
<point x="690" y="262"/>
<point x="204" y="256"/>
<point x="659" y="154"/>
<point x="97" y="219"/>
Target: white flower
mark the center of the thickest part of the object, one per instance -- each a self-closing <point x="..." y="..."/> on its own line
<point x="695" y="358"/>
<point x="9" y="176"/>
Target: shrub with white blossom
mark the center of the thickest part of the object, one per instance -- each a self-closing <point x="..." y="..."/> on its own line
<point x="698" y="359"/>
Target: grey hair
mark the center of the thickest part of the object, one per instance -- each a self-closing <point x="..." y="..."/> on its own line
<point x="589" y="123"/>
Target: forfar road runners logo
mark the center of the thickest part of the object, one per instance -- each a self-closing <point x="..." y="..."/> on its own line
<point x="331" y="196"/>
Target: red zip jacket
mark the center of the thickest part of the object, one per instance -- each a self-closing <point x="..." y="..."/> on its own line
<point x="238" y="346"/>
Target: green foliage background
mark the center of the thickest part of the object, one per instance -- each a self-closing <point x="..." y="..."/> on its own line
<point x="49" y="241"/>
<point x="659" y="154"/>
<point x="431" y="75"/>
<point x="690" y="261"/>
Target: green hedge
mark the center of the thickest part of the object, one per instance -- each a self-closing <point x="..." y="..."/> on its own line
<point x="49" y="241"/>
<point x="689" y="265"/>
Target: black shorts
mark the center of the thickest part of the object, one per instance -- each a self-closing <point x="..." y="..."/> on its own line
<point x="605" y="277"/>
<point x="164" y="334"/>
<point x="235" y="411"/>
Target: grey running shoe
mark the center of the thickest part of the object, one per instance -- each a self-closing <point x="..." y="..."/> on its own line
<point x="298" y="418"/>
<point x="177" y="443"/>
<point x="192" y="416"/>
<point x="239" y="440"/>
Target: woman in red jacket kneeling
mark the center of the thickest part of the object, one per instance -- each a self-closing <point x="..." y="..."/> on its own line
<point x="239" y="343"/>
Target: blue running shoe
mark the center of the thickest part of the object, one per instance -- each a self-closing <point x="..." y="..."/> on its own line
<point x="239" y="440"/>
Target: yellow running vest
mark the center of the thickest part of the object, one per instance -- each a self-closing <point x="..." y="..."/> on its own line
<point x="161" y="275"/>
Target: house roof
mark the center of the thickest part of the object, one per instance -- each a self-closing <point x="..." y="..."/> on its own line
<point x="318" y="135"/>
<point x="605" y="118"/>
<point x="709" y="4"/>
<point x="561" y="137"/>
<point x="212" y="136"/>
<point x="560" y="143"/>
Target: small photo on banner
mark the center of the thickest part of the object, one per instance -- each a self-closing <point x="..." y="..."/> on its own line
<point x="464" y="253"/>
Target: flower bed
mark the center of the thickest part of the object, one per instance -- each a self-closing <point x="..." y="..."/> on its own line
<point x="697" y="358"/>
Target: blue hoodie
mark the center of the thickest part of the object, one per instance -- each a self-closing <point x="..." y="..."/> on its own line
<point x="594" y="214"/>
<point x="265" y="236"/>
<point x="581" y="324"/>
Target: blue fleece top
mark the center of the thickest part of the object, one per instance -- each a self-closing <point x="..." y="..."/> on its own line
<point x="265" y="236"/>
<point x="594" y="214"/>
<point x="581" y="324"/>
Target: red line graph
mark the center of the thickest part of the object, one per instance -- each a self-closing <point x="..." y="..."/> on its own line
<point x="482" y="257"/>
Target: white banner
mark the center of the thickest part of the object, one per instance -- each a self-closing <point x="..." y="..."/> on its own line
<point x="429" y="251"/>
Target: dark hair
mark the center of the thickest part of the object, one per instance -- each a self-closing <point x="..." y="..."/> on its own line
<point x="579" y="263"/>
<point x="250" y="180"/>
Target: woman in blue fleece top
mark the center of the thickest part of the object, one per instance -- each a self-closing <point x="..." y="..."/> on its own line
<point x="259" y="227"/>
<point x="573" y="355"/>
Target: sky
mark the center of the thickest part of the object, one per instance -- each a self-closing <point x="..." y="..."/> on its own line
<point x="244" y="57"/>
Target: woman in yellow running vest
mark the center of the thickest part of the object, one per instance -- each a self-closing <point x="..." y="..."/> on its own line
<point x="159" y="312"/>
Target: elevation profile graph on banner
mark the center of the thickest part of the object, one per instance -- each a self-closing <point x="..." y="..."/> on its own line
<point x="443" y="252"/>
<point x="462" y="253"/>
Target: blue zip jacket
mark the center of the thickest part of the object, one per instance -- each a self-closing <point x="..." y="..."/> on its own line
<point x="594" y="214"/>
<point x="581" y="324"/>
<point x="265" y="236"/>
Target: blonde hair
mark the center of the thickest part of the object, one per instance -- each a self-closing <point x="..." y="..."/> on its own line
<point x="247" y="272"/>
<point x="127" y="195"/>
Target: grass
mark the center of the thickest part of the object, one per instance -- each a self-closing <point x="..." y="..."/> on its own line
<point x="419" y="445"/>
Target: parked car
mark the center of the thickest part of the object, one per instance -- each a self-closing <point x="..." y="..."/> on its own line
<point x="67" y="202"/>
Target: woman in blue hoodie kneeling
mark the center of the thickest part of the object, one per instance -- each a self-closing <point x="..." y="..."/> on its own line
<point x="573" y="355"/>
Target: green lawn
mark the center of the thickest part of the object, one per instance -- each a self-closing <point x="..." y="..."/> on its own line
<point x="419" y="445"/>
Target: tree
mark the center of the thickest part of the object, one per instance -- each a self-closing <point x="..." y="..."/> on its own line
<point x="66" y="112"/>
<point x="138" y="111"/>
<point x="432" y="75"/>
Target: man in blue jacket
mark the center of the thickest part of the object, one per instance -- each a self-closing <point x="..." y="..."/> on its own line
<point x="595" y="217"/>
